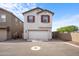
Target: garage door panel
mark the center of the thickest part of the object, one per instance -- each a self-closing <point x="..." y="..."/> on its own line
<point x="38" y="35"/>
<point x="3" y="34"/>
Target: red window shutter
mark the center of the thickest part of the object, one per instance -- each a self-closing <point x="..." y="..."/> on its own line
<point x="41" y="18"/>
<point x="27" y="18"/>
<point x="33" y="18"/>
<point x="48" y="18"/>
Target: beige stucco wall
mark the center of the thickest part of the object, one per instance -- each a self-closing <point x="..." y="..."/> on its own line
<point x="31" y="25"/>
<point x="11" y="23"/>
<point x="74" y="36"/>
<point x="37" y="25"/>
<point x="44" y="24"/>
<point x="8" y="21"/>
<point x="64" y="36"/>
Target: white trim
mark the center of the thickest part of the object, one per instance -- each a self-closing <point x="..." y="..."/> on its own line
<point x="72" y="44"/>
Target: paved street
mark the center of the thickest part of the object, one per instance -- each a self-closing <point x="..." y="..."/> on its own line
<point x="56" y="48"/>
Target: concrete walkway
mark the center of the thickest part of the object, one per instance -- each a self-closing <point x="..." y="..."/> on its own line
<point x="56" y="48"/>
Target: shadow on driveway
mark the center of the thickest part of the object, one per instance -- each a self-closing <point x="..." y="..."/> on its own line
<point x="22" y="40"/>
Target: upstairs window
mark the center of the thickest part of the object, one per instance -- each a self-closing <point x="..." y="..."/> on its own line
<point x="2" y="18"/>
<point x="45" y="18"/>
<point x="31" y="19"/>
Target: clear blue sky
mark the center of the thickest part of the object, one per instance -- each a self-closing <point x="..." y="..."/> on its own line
<point x="65" y="14"/>
<point x="61" y="9"/>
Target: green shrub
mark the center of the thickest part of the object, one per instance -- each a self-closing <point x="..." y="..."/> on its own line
<point x="71" y="28"/>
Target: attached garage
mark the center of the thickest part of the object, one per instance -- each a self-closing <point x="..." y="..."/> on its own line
<point x="39" y="35"/>
<point x="3" y="34"/>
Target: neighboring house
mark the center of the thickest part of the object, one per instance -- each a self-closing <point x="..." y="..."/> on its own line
<point x="38" y="24"/>
<point x="10" y="26"/>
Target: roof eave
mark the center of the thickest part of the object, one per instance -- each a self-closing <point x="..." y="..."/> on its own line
<point x="47" y="11"/>
<point x="32" y="10"/>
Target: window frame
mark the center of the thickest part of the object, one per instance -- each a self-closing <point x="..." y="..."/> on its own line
<point x="33" y="20"/>
<point x="42" y="17"/>
<point x="3" y="18"/>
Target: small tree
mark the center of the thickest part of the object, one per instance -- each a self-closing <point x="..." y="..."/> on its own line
<point x="71" y="28"/>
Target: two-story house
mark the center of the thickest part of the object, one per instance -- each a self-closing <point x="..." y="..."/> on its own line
<point x="10" y="26"/>
<point x="38" y="24"/>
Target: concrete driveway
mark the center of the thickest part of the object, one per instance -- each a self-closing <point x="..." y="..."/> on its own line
<point x="54" y="48"/>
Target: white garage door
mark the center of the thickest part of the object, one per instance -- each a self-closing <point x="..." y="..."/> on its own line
<point x="38" y="35"/>
<point x="3" y="34"/>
